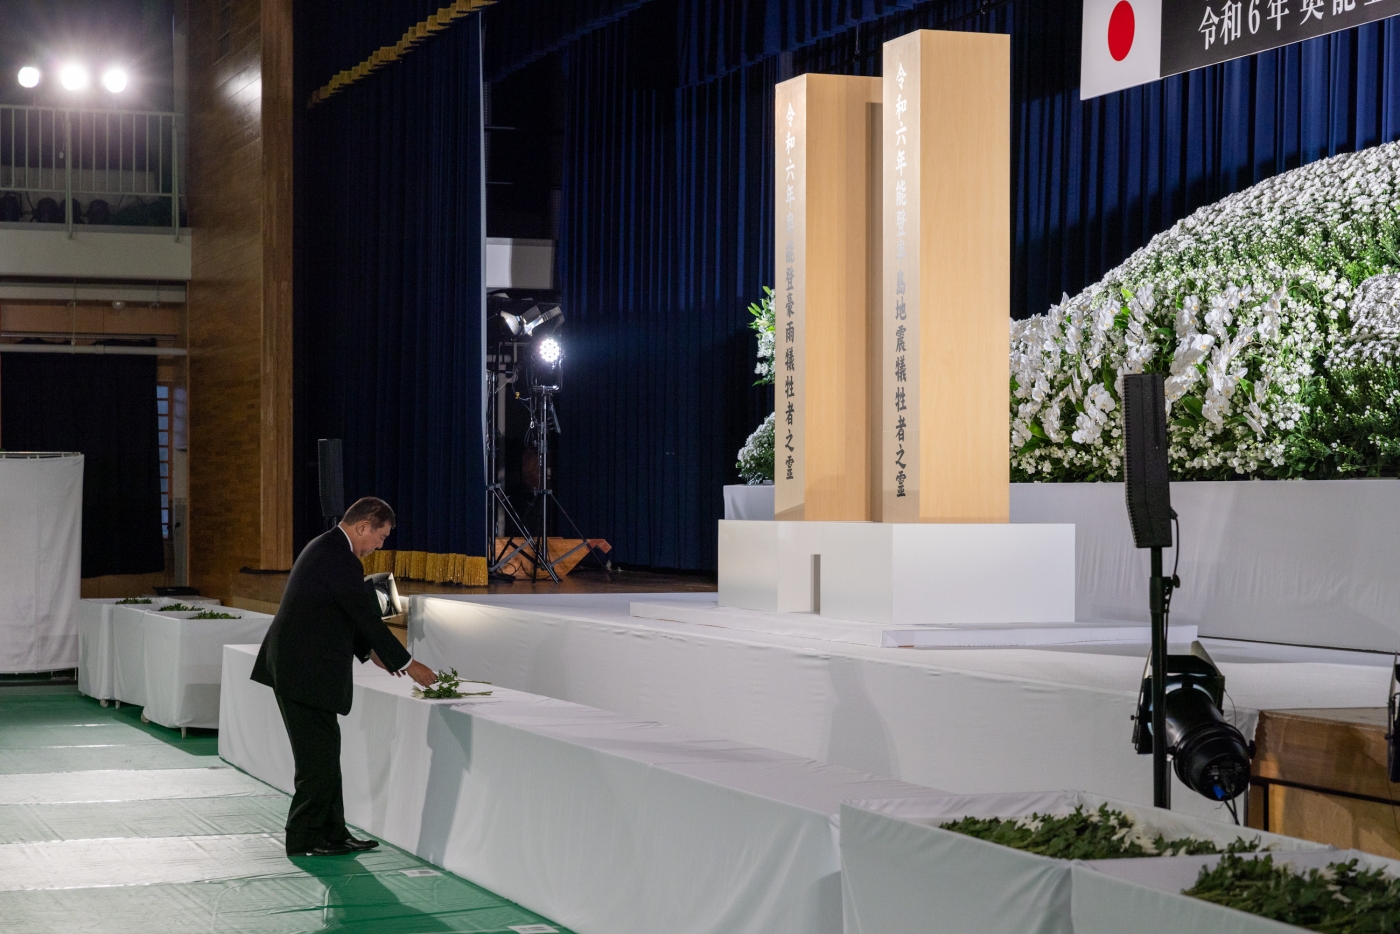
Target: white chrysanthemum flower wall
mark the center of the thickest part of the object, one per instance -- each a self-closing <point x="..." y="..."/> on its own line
<point x="1246" y="305"/>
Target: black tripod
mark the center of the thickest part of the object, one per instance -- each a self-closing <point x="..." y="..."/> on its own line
<point x="543" y="421"/>
<point x="502" y="363"/>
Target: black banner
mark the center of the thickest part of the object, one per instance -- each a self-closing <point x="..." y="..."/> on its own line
<point x="1196" y="33"/>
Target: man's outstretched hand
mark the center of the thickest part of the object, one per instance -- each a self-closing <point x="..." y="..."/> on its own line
<point x="421" y="673"/>
<point x="416" y="670"/>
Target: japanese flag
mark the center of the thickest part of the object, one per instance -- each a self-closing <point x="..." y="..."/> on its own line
<point x="1122" y="45"/>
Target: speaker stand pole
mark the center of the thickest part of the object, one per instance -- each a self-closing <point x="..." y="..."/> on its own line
<point x="1161" y="771"/>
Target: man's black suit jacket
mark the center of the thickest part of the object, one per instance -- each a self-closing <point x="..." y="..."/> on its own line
<point x="327" y="616"/>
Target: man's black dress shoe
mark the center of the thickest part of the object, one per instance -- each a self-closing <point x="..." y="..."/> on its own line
<point x="354" y="844"/>
<point x="329" y="849"/>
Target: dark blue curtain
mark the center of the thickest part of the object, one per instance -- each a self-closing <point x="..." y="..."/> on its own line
<point x="665" y="232"/>
<point x="389" y="324"/>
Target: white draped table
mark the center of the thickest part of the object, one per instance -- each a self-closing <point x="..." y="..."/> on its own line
<point x="968" y="720"/>
<point x="95" y="661"/>
<point x="607" y="824"/>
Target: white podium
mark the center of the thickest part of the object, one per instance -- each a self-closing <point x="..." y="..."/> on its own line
<point x="901" y="574"/>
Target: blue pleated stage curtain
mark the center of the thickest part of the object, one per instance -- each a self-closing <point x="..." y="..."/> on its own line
<point x="665" y="231"/>
<point x="389" y="326"/>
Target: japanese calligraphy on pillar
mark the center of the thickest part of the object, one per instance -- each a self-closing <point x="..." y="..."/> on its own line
<point x="901" y="291"/>
<point x="789" y="472"/>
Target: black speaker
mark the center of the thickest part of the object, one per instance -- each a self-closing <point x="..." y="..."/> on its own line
<point x="1145" y="459"/>
<point x="330" y="471"/>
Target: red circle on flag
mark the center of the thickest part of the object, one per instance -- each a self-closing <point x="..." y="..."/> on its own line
<point x="1120" y="30"/>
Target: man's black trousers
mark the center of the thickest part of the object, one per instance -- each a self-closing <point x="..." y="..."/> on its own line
<point x="317" y="815"/>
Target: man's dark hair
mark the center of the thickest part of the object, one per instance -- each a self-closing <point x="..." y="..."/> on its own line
<point x="372" y="508"/>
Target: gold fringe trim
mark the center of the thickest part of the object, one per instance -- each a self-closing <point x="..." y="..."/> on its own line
<point x="427" y="566"/>
<point x="392" y="53"/>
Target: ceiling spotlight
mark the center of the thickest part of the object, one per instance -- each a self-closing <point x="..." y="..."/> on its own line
<point x="114" y="80"/>
<point x="29" y="77"/>
<point x="73" y="77"/>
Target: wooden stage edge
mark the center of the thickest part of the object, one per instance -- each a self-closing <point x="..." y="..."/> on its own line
<point x="1318" y="774"/>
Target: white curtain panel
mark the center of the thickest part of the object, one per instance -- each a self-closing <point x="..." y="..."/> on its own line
<point x="41" y="534"/>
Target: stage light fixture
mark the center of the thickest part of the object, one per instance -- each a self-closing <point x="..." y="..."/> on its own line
<point x="549" y="350"/>
<point x="386" y="592"/>
<point x="29" y="77"/>
<point x="1209" y="755"/>
<point x="73" y="77"/>
<point x="114" y="80"/>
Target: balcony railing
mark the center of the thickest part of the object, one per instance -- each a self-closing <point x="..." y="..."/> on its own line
<point x="60" y="166"/>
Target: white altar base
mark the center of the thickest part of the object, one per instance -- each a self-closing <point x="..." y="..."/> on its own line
<point x="605" y="823"/>
<point x="961" y="719"/>
<point x="855" y="632"/>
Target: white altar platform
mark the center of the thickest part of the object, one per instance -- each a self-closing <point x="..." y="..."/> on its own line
<point x="605" y="823"/>
<point x="961" y="719"/>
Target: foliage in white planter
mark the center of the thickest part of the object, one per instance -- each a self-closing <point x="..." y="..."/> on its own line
<point x="1273" y="314"/>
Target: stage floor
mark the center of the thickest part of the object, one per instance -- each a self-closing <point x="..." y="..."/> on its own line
<point x="962" y="719"/>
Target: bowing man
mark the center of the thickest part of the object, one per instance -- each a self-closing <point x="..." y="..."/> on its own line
<point x="326" y="618"/>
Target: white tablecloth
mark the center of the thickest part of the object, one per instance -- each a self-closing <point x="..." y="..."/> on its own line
<point x="901" y="873"/>
<point x="41" y="523"/>
<point x="1310" y="562"/>
<point x="749" y="501"/>
<point x="606" y="824"/>
<point x="170" y="664"/>
<point x="968" y="720"/>
<point x="95" y="647"/>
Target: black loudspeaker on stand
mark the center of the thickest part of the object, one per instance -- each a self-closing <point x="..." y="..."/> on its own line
<point x="330" y="477"/>
<point x="1148" y="489"/>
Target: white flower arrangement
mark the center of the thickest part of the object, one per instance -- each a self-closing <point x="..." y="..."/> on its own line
<point x="1240" y="305"/>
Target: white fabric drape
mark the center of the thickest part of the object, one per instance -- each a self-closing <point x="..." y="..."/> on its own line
<point x="607" y="824"/>
<point x="968" y="720"/>
<point x="901" y="873"/>
<point x="1309" y="562"/>
<point x="41" y="534"/>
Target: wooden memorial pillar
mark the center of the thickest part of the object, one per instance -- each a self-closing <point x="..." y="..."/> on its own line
<point x="947" y="270"/>
<point x="827" y="295"/>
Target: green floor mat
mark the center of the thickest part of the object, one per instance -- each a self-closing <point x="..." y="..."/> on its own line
<point x="392" y="903"/>
<point x="113" y="826"/>
<point x="39" y="823"/>
<point x="119" y="785"/>
<point x="78" y="758"/>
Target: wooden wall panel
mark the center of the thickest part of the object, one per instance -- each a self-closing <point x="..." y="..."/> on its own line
<point x="824" y="130"/>
<point x="240" y="295"/>
<point x="947" y="246"/>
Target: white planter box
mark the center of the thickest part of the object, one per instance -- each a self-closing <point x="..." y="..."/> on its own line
<point x="1111" y="896"/>
<point x="902" y="873"/>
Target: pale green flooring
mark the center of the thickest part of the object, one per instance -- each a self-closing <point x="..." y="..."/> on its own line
<point x="112" y="826"/>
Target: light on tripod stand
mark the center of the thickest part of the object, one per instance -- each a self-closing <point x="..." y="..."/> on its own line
<point x="1179" y="714"/>
<point x="549" y="350"/>
<point x="546" y="363"/>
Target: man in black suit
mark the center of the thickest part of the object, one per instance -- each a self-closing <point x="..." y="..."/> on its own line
<point x="328" y="616"/>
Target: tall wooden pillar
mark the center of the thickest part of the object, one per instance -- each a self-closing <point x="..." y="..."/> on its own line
<point x="827" y="151"/>
<point x="947" y="271"/>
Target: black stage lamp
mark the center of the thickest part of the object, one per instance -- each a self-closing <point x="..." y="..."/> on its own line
<point x="47" y="211"/>
<point x="384" y="589"/>
<point x="1208" y="754"/>
<point x="10" y="209"/>
<point x="99" y="211"/>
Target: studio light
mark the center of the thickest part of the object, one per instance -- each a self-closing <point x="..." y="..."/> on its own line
<point x="73" y="77"/>
<point x="114" y="80"/>
<point x="386" y="592"/>
<point x="549" y="350"/>
<point x="1208" y="754"/>
<point x="546" y="315"/>
<point x="29" y="77"/>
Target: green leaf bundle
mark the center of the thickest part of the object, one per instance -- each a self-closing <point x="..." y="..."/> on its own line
<point x="1101" y="834"/>
<point x="178" y="608"/>
<point x="214" y="614"/>
<point x="1340" y="899"/>
<point x="447" y="687"/>
<point x="129" y="601"/>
